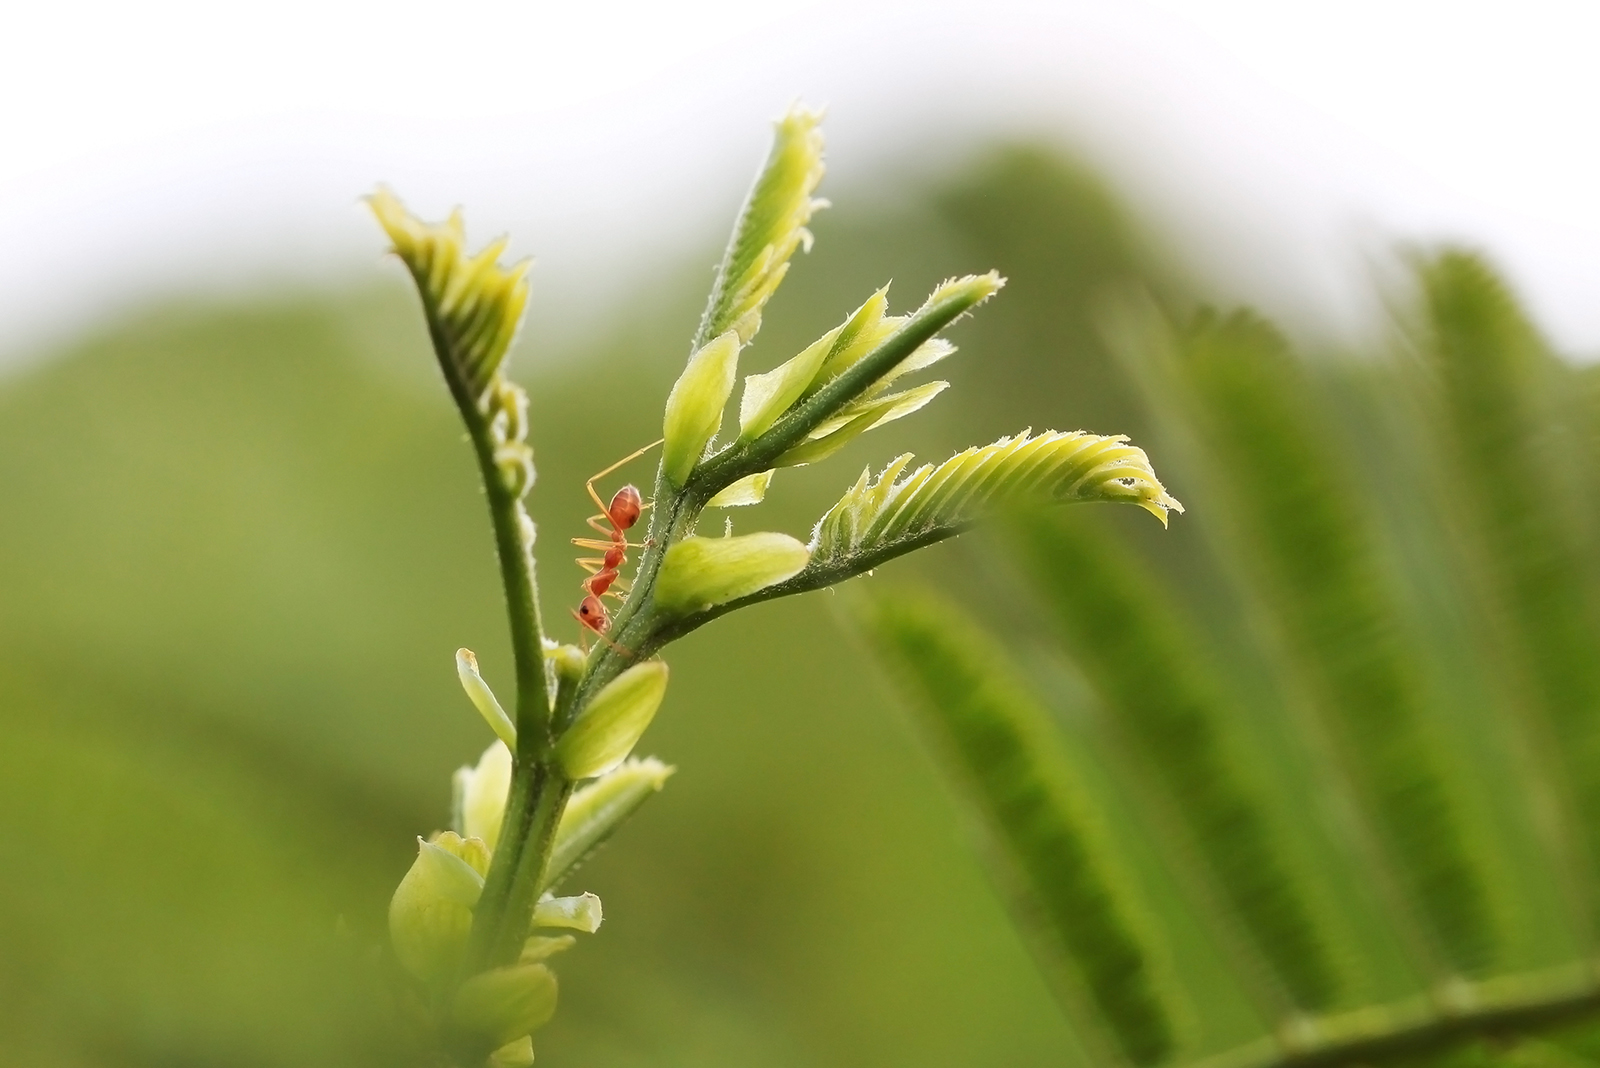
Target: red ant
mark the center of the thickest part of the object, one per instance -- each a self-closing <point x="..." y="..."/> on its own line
<point x="622" y="513"/>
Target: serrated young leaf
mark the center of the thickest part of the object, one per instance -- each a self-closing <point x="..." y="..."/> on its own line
<point x="864" y="331"/>
<point x="700" y="572"/>
<point x="473" y="305"/>
<point x="767" y="396"/>
<point x="771" y="226"/>
<point x="892" y="344"/>
<point x="934" y="502"/>
<point x="694" y="407"/>
<point x="752" y="489"/>
<point x="581" y="912"/>
<point x="606" y="731"/>
<point x="596" y="811"/>
<point x="856" y="419"/>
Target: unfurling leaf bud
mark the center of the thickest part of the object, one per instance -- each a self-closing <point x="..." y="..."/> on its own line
<point x="502" y="1005"/>
<point x="694" y="407"/>
<point x="566" y="662"/>
<point x="607" y="730"/>
<point x="768" y="396"/>
<point x="483" y="697"/>
<point x="698" y="573"/>
<point x="598" y="809"/>
<point x="581" y="913"/>
<point x="430" y="914"/>
<point x="751" y="489"/>
<point x="480" y="795"/>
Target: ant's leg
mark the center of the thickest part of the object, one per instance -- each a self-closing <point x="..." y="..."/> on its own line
<point x="615" y="648"/>
<point x="589" y="485"/>
<point x="589" y="542"/>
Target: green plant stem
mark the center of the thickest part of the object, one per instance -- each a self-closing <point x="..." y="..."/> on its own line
<point x="810" y="578"/>
<point x="535" y="790"/>
<point x="635" y="632"/>
<point x="550" y="790"/>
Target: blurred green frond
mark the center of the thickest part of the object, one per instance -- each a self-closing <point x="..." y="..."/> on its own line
<point x="1120" y="626"/>
<point x="771" y="226"/>
<point x="999" y="747"/>
<point x="1493" y="374"/>
<point x="1313" y="545"/>
<point x="1362" y="750"/>
<point x="884" y="516"/>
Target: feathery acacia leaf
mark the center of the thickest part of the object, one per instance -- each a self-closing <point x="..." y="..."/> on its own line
<point x="474" y="306"/>
<point x="934" y="502"/>
<point x="1313" y="548"/>
<point x="1165" y="708"/>
<point x="1489" y="363"/>
<point x="1000" y="748"/>
<point x="771" y="226"/>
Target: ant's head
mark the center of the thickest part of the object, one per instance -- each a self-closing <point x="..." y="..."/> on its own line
<point x="625" y="507"/>
<point x="592" y="614"/>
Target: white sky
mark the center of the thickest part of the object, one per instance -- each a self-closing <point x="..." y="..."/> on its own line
<point x="166" y="147"/>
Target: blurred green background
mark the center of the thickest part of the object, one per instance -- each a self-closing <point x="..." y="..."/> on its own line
<point x="240" y="543"/>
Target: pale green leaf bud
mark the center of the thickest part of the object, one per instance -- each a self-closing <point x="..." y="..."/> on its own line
<point x="581" y="913"/>
<point x="517" y="1054"/>
<point x="607" y="730"/>
<point x="598" y="809"/>
<point x="700" y="572"/>
<point x="543" y="947"/>
<point x="503" y="1005"/>
<point x="474" y="851"/>
<point x="866" y="329"/>
<point x="430" y="915"/>
<point x="969" y="289"/>
<point x="483" y="697"/>
<point x="694" y="407"/>
<point x="474" y="305"/>
<point x="567" y="662"/>
<point x="769" y="395"/>
<point x="856" y="419"/>
<point x="751" y="489"/>
<point x="480" y="795"/>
